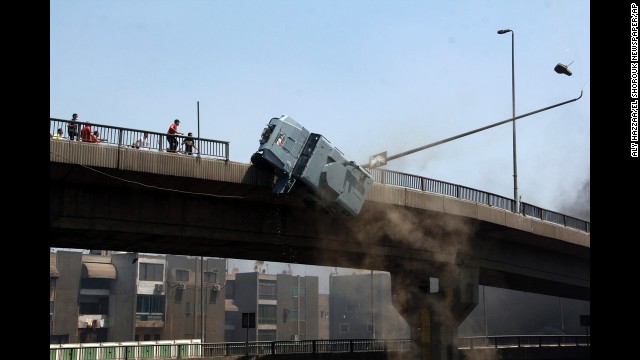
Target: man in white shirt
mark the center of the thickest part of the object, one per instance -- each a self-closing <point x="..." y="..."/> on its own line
<point x="142" y="142"/>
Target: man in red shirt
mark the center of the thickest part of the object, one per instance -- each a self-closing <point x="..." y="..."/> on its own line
<point x="171" y="135"/>
<point x="86" y="132"/>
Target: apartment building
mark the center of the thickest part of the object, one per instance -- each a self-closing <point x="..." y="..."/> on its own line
<point x="361" y="308"/>
<point x="99" y="297"/>
<point x="102" y="296"/>
<point x="285" y="306"/>
<point x="194" y="298"/>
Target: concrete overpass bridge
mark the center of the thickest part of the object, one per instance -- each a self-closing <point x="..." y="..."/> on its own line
<point x="108" y="196"/>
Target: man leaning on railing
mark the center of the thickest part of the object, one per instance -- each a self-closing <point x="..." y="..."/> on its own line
<point x="142" y="142"/>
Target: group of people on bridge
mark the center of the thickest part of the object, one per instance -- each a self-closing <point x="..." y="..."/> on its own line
<point x="87" y="135"/>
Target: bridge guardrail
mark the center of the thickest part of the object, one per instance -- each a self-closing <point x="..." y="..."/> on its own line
<point x="505" y="341"/>
<point x="482" y="197"/>
<point x="125" y="137"/>
<point x="176" y="349"/>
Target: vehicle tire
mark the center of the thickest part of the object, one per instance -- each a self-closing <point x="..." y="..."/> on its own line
<point x="260" y="162"/>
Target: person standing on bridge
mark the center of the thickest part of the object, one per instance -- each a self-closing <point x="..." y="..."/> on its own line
<point x="171" y="135"/>
<point x="72" y="128"/>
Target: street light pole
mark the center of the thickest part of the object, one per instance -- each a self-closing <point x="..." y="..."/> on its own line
<point x="409" y="152"/>
<point x="513" y="102"/>
<point x="373" y="324"/>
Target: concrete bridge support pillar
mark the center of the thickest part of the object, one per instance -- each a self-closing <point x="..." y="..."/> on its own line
<point x="434" y="317"/>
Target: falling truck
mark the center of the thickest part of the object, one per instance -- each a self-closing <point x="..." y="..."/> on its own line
<point x="307" y="163"/>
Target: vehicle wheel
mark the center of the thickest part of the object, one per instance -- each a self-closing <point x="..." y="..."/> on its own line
<point x="260" y="162"/>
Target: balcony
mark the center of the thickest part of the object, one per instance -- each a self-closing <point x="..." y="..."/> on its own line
<point x="149" y="320"/>
<point x="93" y="321"/>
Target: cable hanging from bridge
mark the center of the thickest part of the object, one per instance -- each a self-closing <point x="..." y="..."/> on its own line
<point x="148" y="186"/>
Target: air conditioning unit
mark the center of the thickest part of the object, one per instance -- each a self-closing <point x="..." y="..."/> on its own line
<point x="181" y="286"/>
<point x="217" y="287"/>
<point x="159" y="287"/>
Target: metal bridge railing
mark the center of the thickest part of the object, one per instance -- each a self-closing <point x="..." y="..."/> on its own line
<point x="164" y="349"/>
<point x="176" y="349"/>
<point x="124" y="137"/>
<point x="422" y="183"/>
<point x="507" y="341"/>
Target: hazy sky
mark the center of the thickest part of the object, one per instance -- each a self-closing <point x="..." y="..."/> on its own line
<point x="368" y="75"/>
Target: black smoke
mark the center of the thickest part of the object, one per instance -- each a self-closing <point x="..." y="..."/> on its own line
<point x="580" y="206"/>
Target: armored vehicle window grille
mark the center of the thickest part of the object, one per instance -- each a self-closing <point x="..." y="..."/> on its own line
<point x="309" y="147"/>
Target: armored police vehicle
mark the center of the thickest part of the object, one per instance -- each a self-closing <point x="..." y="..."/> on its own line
<point x="309" y="165"/>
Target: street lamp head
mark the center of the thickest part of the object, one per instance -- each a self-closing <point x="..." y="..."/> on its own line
<point x="504" y="31"/>
<point x="562" y="69"/>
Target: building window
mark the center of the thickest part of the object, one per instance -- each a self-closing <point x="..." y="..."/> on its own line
<point x="151" y="272"/>
<point x="351" y="311"/>
<point x="295" y="292"/>
<point x="52" y="295"/>
<point x="150" y="307"/>
<point x="229" y="289"/>
<point x="91" y="305"/>
<point x="189" y="309"/>
<point x="294" y="315"/>
<point x="178" y="295"/>
<point x="267" y="335"/>
<point x="95" y="283"/>
<point x="211" y="276"/>
<point x="229" y="318"/>
<point x="182" y="275"/>
<point x="344" y="329"/>
<point x="267" y="290"/>
<point x="213" y="296"/>
<point x="267" y="314"/>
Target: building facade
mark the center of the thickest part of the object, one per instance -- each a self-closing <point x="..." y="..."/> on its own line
<point x="106" y="297"/>
<point x="285" y="307"/>
<point x="195" y="298"/>
<point x="323" y="321"/>
<point x="100" y="297"/>
<point x="361" y="308"/>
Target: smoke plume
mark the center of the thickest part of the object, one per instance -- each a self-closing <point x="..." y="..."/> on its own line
<point x="580" y="205"/>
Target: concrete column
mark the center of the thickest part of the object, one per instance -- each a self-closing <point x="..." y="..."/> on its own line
<point x="434" y="318"/>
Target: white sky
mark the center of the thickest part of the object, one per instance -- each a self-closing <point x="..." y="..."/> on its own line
<point x="368" y="75"/>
